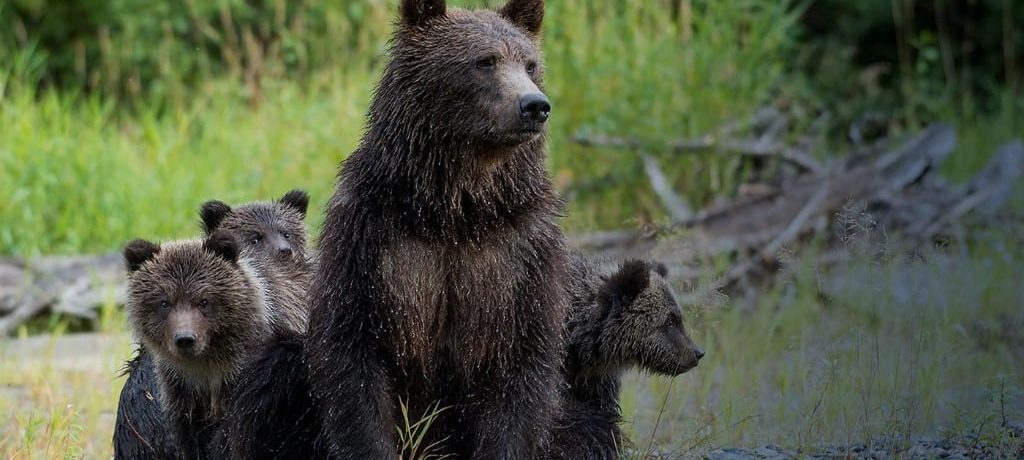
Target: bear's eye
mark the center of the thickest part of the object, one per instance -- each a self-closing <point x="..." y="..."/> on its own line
<point x="287" y="235"/>
<point x="531" y="67"/>
<point x="486" y="63"/>
<point x="204" y="304"/>
<point x="165" y="304"/>
<point x="674" y="320"/>
<point x="256" y="239"/>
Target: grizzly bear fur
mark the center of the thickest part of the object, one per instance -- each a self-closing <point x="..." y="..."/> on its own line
<point x="272" y="236"/>
<point x="198" y="310"/>
<point x="272" y="414"/>
<point x="140" y="430"/>
<point x="280" y="259"/>
<point x="442" y="267"/>
<point x="619" y="320"/>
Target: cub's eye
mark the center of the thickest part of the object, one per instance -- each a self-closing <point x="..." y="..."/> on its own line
<point x="256" y="239"/>
<point x="204" y="304"/>
<point x="531" y="67"/>
<point x="674" y="320"/>
<point x="165" y="304"/>
<point x="287" y="236"/>
<point x="486" y="63"/>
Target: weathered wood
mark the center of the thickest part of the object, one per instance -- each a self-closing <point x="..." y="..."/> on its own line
<point x="750" y="223"/>
<point x="74" y="286"/>
<point x="770" y="122"/>
<point x="913" y="201"/>
<point x="744" y="147"/>
<point x="674" y="205"/>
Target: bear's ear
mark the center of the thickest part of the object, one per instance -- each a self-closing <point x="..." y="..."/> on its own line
<point x="417" y="12"/>
<point x="212" y="214"/>
<point x="296" y="199"/>
<point x="661" y="269"/>
<point x="139" y="252"/>
<point x="623" y="287"/>
<point x="525" y="14"/>
<point x="222" y="244"/>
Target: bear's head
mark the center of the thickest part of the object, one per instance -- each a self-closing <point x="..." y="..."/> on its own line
<point x="192" y="302"/>
<point x="270" y="230"/>
<point x="470" y="78"/>
<point x="640" y="321"/>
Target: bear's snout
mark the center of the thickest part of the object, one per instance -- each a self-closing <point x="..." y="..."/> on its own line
<point x="184" y="340"/>
<point x="185" y="326"/>
<point x="535" y="108"/>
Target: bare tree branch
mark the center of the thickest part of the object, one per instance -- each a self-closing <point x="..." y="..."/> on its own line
<point x="675" y="205"/>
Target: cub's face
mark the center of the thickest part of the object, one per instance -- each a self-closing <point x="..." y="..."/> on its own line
<point x="664" y="345"/>
<point x="272" y="231"/>
<point x="477" y="73"/>
<point x="645" y="325"/>
<point x="189" y="302"/>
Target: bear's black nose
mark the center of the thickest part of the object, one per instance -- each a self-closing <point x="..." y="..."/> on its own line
<point x="284" y="251"/>
<point x="185" y="340"/>
<point x="535" y="107"/>
<point x="698" y="353"/>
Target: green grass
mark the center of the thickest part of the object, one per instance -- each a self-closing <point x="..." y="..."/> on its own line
<point x="84" y="174"/>
<point x="907" y="346"/>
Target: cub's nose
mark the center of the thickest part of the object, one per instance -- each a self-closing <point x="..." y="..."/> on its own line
<point x="185" y="340"/>
<point x="284" y="251"/>
<point x="535" y="107"/>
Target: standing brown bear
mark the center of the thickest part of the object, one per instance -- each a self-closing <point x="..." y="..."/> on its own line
<point x="442" y="267"/>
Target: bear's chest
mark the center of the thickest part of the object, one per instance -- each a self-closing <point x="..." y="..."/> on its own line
<point x="452" y="298"/>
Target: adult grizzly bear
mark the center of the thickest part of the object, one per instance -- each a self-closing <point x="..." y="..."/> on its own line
<point x="442" y="269"/>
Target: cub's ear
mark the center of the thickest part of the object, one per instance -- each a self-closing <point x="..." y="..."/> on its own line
<point x="139" y="252"/>
<point x="223" y="244"/>
<point x="296" y="199"/>
<point x="525" y="14"/>
<point x="660" y="269"/>
<point x="212" y="213"/>
<point x="623" y="287"/>
<point x="417" y="12"/>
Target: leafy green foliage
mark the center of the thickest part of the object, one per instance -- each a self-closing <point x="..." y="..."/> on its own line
<point x="85" y="172"/>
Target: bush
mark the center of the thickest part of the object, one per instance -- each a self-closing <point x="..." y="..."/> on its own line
<point x="165" y="48"/>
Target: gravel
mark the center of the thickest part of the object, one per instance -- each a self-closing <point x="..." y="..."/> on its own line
<point x="1009" y="445"/>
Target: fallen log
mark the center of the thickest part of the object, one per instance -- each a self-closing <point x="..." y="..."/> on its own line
<point x="896" y="188"/>
<point x="75" y="286"/>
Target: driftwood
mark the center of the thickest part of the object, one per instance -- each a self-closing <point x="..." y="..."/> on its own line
<point x="75" y="286"/>
<point x="893" y="185"/>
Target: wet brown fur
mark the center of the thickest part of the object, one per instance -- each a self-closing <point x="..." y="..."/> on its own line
<point x="441" y="270"/>
<point x="620" y="319"/>
<point x="140" y="429"/>
<point x="200" y="287"/>
<point x="273" y="237"/>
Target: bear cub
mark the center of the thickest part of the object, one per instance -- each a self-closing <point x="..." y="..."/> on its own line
<point x="272" y="235"/>
<point x="198" y="310"/>
<point x="273" y="238"/>
<point x="618" y="320"/>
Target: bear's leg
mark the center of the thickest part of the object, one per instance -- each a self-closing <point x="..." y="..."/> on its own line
<point x="352" y="389"/>
<point x="514" y="413"/>
<point x="187" y="420"/>
<point x="140" y="430"/>
<point x="585" y="432"/>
